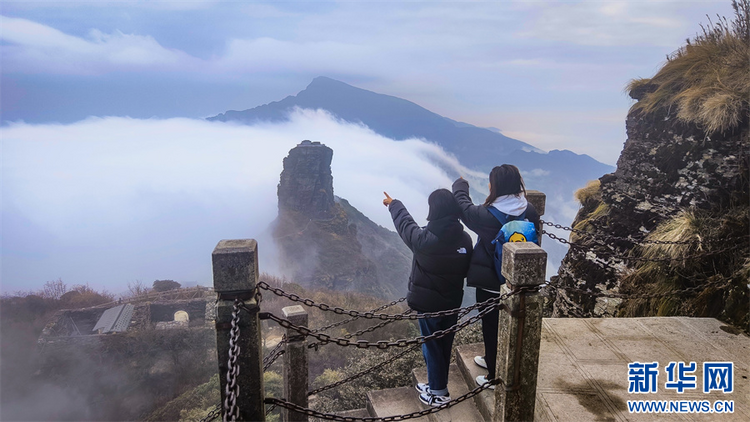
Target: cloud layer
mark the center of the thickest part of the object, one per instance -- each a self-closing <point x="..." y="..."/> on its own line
<point x="111" y="200"/>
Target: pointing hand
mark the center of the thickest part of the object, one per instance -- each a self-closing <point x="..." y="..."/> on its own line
<point x="387" y="201"/>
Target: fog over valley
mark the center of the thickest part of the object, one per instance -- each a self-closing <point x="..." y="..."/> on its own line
<point x="107" y="201"/>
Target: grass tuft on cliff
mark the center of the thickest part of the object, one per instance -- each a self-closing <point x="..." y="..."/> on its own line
<point x="707" y="81"/>
<point x="718" y="268"/>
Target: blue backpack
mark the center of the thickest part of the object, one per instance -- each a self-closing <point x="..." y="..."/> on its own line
<point x="514" y="229"/>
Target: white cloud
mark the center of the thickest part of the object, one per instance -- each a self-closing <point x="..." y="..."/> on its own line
<point x="31" y="47"/>
<point x="111" y="200"/>
<point x="536" y="173"/>
<point x="608" y="24"/>
<point x="272" y="55"/>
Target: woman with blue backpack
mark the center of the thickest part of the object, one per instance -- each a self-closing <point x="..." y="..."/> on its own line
<point x="504" y="216"/>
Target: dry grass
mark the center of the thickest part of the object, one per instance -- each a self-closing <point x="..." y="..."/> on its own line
<point x="727" y="272"/>
<point x="707" y="81"/>
<point x="600" y="211"/>
<point x="686" y="226"/>
<point x="590" y="191"/>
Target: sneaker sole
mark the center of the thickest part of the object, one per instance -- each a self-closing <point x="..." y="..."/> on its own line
<point x="478" y="364"/>
<point x="427" y="402"/>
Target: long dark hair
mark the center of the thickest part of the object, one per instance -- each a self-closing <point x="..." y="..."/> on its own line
<point x="442" y="204"/>
<point x="504" y="180"/>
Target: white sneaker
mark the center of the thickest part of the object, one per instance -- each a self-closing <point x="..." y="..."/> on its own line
<point x="432" y="400"/>
<point x="422" y="388"/>
<point x="482" y="379"/>
<point x="479" y="360"/>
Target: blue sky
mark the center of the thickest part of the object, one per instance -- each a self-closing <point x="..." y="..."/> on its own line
<point x="548" y="73"/>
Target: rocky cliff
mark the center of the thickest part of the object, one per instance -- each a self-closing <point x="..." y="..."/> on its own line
<point x="325" y="242"/>
<point x="674" y="214"/>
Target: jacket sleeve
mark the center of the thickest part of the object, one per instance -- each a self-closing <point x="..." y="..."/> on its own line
<point x="470" y="213"/>
<point x="407" y="228"/>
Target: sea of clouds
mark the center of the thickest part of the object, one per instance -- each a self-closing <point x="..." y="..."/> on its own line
<point x="107" y="201"/>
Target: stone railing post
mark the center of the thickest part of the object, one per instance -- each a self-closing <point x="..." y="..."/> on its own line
<point x="538" y="200"/>
<point x="295" y="364"/>
<point x="519" y="332"/>
<point x="235" y="267"/>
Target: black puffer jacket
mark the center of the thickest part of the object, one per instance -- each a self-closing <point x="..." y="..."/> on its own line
<point x="479" y="220"/>
<point x="442" y="252"/>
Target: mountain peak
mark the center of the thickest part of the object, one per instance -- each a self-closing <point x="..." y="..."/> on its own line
<point x="325" y="81"/>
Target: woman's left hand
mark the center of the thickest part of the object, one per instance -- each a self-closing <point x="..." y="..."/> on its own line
<point x="387" y="201"/>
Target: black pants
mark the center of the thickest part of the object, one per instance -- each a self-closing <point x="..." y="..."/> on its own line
<point x="489" y="331"/>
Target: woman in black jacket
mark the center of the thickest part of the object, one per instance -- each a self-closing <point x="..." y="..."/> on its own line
<point x="508" y="195"/>
<point x="442" y="252"/>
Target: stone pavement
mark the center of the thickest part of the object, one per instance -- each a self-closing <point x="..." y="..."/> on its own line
<point x="583" y="370"/>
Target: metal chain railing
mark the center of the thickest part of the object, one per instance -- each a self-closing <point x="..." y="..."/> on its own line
<point x="425" y="412"/>
<point x="367" y="315"/>
<point x="316" y="345"/>
<point x="657" y="208"/>
<point x="641" y="258"/>
<point x="364" y="372"/>
<point x="270" y="409"/>
<point x="588" y="292"/>
<point x="642" y="241"/>
<point x="348" y="320"/>
<point x="274" y="354"/>
<point x="213" y="414"/>
<point x="232" y="389"/>
<point x="494" y="303"/>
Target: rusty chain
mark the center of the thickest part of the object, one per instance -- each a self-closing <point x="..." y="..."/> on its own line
<point x="213" y="414"/>
<point x="367" y="315"/>
<point x="274" y="354"/>
<point x="364" y="372"/>
<point x="369" y="329"/>
<point x="638" y="242"/>
<point x="232" y="388"/>
<point x="425" y="412"/>
<point x="270" y="409"/>
<point x="345" y="321"/>
<point x="639" y="258"/>
<point x="493" y="304"/>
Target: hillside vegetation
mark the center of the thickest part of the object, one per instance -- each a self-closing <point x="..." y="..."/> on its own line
<point x="707" y="81"/>
<point x="328" y="363"/>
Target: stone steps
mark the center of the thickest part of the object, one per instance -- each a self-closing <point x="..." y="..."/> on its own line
<point x="484" y="401"/>
<point x="465" y="411"/>
<point x="394" y="401"/>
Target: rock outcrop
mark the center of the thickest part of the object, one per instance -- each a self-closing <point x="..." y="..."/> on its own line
<point x="306" y="182"/>
<point x="325" y="242"/>
<point x="665" y="166"/>
<point x="672" y="223"/>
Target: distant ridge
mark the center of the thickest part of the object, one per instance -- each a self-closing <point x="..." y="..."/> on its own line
<point x="557" y="173"/>
<point x="389" y="116"/>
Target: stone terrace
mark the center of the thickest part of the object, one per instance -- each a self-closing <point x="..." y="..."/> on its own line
<point x="583" y="370"/>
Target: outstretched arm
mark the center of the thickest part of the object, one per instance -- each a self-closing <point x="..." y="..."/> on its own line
<point x="470" y="212"/>
<point x="407" y="228"/>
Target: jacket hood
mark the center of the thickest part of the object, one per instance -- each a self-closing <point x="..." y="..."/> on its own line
<point x="511" y="204"/>
<point x="446" y="228"/>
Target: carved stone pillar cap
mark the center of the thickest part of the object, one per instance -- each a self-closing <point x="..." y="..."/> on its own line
<point x="296" y="314"/>
<point x="524" y="263"/>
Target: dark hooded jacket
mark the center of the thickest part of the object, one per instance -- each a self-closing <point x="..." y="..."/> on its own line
<point x="479" y="220"/>
<point x="442" y="252"/>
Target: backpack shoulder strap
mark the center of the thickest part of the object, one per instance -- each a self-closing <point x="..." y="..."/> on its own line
<point x="501" y="217"/>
